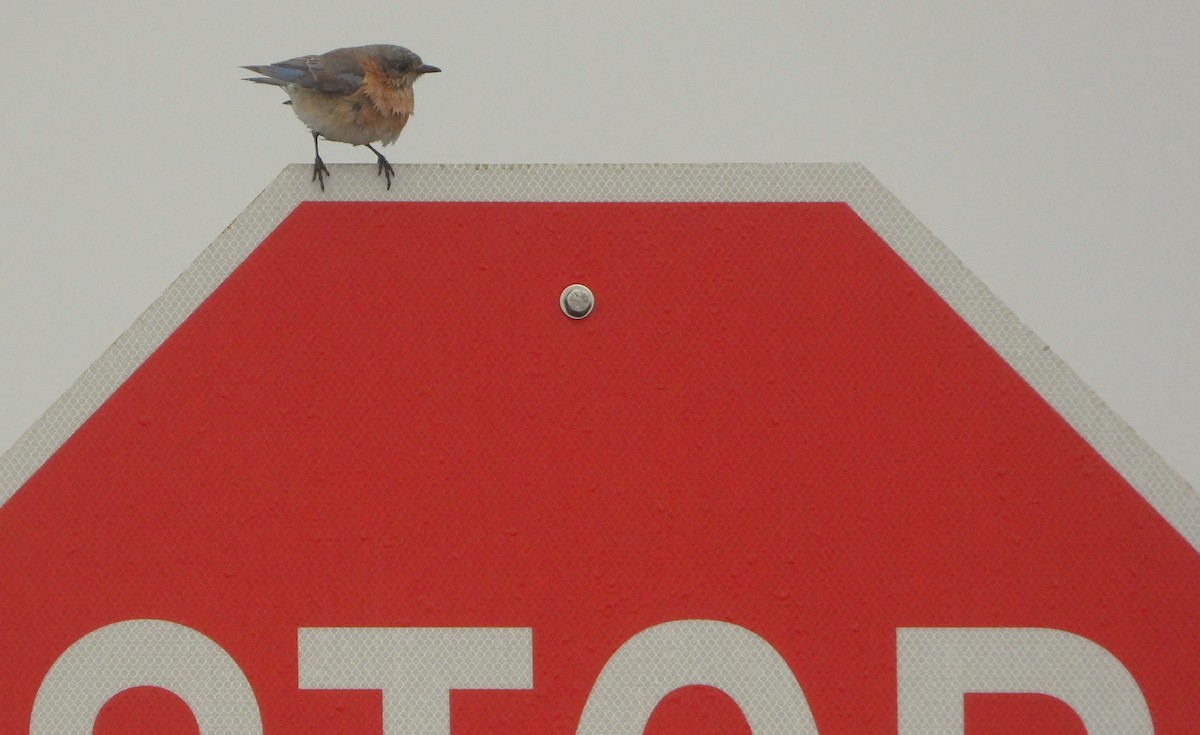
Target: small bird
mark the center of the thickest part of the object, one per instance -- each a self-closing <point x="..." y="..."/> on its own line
<point x="357" y="95"/>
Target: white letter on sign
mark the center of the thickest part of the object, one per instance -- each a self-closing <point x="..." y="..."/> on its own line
<point x="659" y="660"/>
<point x="138" y="653"/>
<point x="937" y="666"/>
<point x="416" y="667"/>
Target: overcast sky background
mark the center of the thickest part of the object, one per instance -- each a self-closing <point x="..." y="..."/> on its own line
<point x="1053" y="146"/>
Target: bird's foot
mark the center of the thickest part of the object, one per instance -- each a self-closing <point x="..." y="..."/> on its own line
<point x="385" y="169"/>
<point x="320" y="172"/>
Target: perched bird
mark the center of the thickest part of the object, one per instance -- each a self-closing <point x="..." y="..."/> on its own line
<point x="358" y="95"/>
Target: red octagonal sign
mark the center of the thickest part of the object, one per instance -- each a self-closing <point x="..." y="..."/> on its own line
<point x="796" y="472"/>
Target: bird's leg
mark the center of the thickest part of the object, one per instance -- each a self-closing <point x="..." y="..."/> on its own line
<point x="385" y="168"/>
<point x="319" y="170"/>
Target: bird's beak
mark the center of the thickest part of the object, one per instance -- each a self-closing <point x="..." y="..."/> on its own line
<point x="427" y="69"/>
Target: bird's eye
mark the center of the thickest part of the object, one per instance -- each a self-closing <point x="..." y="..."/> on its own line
<point x="400" y="62"/>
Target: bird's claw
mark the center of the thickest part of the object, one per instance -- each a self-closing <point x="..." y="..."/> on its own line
<point x="385" y="169"/>
<point x="320" y="172"/>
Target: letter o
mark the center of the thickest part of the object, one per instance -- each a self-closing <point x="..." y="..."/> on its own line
<point x="661" y="659"/>
<point x="137" y="653"/>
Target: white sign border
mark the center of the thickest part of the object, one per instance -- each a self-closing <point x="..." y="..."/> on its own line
<point x="851" y="183"/>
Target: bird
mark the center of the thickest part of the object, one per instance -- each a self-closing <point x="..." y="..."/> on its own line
<point x="358" y="95"/>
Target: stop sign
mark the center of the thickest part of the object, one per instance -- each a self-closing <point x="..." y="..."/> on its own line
<point x="796" y="471"/>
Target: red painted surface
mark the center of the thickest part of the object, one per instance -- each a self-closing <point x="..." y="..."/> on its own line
<point x="145" y="711"/>
<point x="1019" y="714"/>
<point x="382" y="419"/>
<point x="697" y="710"/>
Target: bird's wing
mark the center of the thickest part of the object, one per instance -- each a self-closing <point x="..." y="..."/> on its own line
<point x="329" y="73"/>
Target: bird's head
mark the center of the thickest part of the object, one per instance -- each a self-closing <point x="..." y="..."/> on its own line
<point x="400" y="63"/>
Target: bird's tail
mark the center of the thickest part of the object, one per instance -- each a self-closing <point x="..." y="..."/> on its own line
<point x="273" y="74"/>
<point x="278" y="74"/>
<point x="266" y="80"/>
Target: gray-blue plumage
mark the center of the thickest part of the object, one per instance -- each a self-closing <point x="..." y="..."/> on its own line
<point x="339" y="71"/>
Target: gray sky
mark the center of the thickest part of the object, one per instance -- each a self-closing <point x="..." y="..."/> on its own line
<point x="1052" y="146"/>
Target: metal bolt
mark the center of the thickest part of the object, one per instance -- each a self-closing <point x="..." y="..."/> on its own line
<point x="577" y="301"/>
